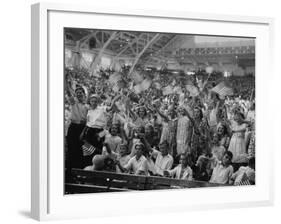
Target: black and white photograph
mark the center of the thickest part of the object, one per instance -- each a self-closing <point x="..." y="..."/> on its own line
<point x="151" y="111"/>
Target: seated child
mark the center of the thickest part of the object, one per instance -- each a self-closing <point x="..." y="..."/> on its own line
<point x="137" y="164"/>
<point x="223" y="170"/>
<point x="163" y="160"/>
<point x="183" y="170"/>
<point x="123" y="156"/>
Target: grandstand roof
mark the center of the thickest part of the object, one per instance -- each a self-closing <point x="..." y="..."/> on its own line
<point x="155" y="48"/>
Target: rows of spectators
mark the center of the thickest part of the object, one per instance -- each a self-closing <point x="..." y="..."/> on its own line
<point x="202" y="136"/>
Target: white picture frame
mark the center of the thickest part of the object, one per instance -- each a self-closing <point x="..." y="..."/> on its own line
<point x="48" y="201"/>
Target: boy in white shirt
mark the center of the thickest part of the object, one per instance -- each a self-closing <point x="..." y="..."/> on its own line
<point x="164" y="161"/>
<point x="223" y="170"/>
<point x="137" y="164"/>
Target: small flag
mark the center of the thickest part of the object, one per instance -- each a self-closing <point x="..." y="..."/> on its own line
<point x="222" y="89"/>
<point x="88" y="149"/>
<point x="244" y="180"/>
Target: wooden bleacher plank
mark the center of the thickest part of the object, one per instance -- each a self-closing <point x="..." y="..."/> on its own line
<point x="109" y="179"/>
<point x="84" y="181"/>
<point x="153" y="182"/>
<point x="78" y="188"/>
<point x="110" y="175"/>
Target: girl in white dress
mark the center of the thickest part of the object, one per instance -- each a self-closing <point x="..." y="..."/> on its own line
<point x="237" y="143"/>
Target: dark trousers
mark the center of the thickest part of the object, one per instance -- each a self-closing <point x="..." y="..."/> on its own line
<point x="91" y="136"/>
<point x="74" y="158"/>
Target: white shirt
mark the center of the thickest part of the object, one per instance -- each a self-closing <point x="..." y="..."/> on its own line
<point x="96" y="118"/>
<point x="162" y="162"/>
<point x="78" y="112"/>
<point x="123" y="161"/>
<point x="221" y="174"/>
<point x="136" y="166"/>
<point x="181" y="173"/>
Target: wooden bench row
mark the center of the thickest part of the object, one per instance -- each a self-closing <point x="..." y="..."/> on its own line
<point x="82" y="181"/>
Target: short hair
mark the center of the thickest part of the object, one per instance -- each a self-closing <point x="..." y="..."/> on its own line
<point x="188" y="158"/>
<point x="79" y="88"/>
<point x="229" y="154"/>
<point x="140" y="144"/>
<point x="165" y="142"/>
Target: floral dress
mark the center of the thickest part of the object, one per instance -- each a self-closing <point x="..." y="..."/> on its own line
<point x="169" y="132"/>
<point x="237" y="143"/>
<point x="182" y="135"/>
<point x="199" y="139"/>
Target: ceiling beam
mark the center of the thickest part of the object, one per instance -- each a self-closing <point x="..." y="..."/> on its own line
<point x="143" y="50"/>
<point x="127" y="46"/>
<point x="95" y="61"/>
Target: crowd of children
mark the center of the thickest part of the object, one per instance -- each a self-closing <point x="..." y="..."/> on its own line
<point x="185" y="134"/>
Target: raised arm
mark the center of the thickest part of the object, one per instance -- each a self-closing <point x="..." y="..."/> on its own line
<point x="162" y="115"/>
<point x="113" y="103"/>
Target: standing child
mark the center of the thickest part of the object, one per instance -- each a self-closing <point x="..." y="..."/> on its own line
<point x="78" y="114"/>
<point x="237" y="143"/>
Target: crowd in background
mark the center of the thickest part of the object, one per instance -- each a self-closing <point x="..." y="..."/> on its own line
<point x="161" y="123"/>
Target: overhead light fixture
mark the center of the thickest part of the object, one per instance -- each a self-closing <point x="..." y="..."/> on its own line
<point x="190" y="73"/>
